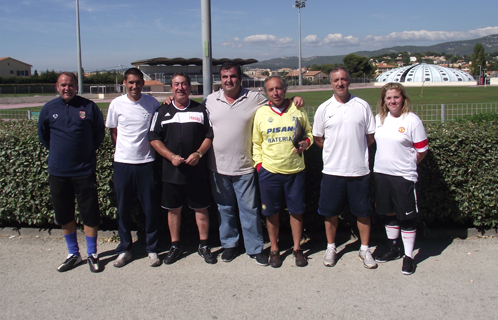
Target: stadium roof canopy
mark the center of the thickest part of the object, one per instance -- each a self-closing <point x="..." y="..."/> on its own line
<point x="424" y="72"/>
<point x="188" y="62"/>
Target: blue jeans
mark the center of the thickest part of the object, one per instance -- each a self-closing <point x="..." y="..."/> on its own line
<point x="228" y="192"/>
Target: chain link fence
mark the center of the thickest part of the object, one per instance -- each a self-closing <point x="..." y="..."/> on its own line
<point x="426" y="112"/>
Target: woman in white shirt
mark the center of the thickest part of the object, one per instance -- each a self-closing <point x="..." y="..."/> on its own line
<point x="401" y="145"/>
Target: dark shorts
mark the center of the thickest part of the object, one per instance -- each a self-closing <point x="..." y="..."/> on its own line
<point x="280" y="189"/>
<point x="336" y="191"/>
<point x="65" y="189"/>
<point x="198" y="194"/>
<point x="395" y="194"/>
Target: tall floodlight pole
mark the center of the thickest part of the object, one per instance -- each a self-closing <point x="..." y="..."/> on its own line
<point x="78" y="48"/>
<point x="299" y="5"/>
<point x="206" y="46"/>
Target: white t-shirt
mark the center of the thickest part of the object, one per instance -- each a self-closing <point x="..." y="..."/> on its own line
<point x="398" y="141"/>
<point x="344" y="128"/>
<point x="132" y="119"/>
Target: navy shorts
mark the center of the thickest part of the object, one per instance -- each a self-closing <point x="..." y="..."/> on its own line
<point x="198" y="194"/>
<point x="336" y="191"/>
<point x="65" y="189"/>
<point x="395" y="194"/>
<point x="280" y="189"/>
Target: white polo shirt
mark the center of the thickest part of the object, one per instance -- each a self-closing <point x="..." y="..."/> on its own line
<point x="132" y="119"/>
<point x="344" y="128"/>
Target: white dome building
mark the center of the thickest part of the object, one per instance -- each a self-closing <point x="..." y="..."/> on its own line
<point x="423" y="72"/>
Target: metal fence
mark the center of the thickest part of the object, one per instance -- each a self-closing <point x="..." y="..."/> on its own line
<point x="34" y="90"/>
<point x="426" y="112"/>
<point x="439" y="112"/>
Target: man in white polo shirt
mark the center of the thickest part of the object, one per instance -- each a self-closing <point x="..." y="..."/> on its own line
<point x="129" y="119"/>
<point x="344" y="127"/>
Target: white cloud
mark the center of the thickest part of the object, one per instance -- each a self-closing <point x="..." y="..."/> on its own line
<point x="335" y="39"/>
<point x="312" y="40"/>
<point x="268" y="39"/>
<point x="234" y="43"/>
<point x="258" y="39"/>
<point x="425" y="35"/>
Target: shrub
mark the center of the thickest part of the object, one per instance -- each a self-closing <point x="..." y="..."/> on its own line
<point x="457" y="179"/>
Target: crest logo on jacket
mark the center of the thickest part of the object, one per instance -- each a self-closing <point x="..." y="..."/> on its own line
<point x="55" y="115"/>
<point x="82" y="114"/>
<point x="401" y="130"/>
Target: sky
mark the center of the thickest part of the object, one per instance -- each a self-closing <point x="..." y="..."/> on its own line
<point x="116" y="33"/>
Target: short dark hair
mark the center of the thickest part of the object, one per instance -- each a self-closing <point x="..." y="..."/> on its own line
<point x="181" y="74"/>
<point x="134" y="71"/>
<point x="67" y="74"/>
<point x="284" y="83"/>
<point x="340" y="68"/>
<point x="229" y="65"/>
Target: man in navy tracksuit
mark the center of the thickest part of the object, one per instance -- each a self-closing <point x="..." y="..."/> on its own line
<point x="72" y="129"/>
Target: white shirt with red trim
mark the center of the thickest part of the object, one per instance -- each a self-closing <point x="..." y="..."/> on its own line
<point x="398" y="141"/>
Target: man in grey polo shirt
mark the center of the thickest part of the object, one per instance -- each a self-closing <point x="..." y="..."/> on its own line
<point x="233" y="180"/>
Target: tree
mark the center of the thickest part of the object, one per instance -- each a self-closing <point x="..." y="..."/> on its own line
<point x="478" y="60"/>
<point x="358" y="65"/>
<point x="36" y="73"/>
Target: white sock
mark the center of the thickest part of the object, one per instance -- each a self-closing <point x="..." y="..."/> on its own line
<point x="363" y="247"/>
<point x="331" y="245"/>
<point x="409" y="241"/>
<point x="392" y="232"/>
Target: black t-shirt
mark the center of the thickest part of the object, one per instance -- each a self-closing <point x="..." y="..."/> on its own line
<point x="182" y="131"/>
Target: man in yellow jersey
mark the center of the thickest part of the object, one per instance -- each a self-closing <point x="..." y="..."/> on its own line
<point x="280" y="165"/>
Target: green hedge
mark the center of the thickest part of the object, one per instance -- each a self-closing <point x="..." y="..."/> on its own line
<point x="457" y="179"/>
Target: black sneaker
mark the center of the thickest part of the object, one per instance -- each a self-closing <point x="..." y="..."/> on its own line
<point x="275" y="260"/>
<point x="260" y="258"/>
<point x="394" y="253"/>
<point x="229" y="254"/>
<point x="408" y="266"/>
<point x="299" y="258"/>
<point x="173" y="255"/>
<point x="205" y="252"/>
<point x="93" y="263"/>
<point x="70" y="262"/>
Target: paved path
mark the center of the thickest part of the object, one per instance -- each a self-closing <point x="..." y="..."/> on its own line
<point x="455" y="279"/>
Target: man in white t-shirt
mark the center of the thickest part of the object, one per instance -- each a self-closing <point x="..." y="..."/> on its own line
<point x="344" y="127"/>
<point x="129" y="119"/>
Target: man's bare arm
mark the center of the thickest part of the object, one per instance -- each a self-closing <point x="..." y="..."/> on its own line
<point x="318" y="141"/>
<point x="114" y="135"/>
<point x="370" y="139"/>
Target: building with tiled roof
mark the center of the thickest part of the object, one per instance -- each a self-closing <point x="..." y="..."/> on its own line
<point x="10" y="67"/>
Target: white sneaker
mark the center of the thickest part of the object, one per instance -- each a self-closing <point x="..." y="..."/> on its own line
<point x="154" y="260"/>
<point x="122" y="259"/>
<point x="330" y="257"/>
<point x="368" y="260"/>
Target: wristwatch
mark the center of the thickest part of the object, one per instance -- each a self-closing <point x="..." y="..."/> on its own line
<point x="200" y="154"/>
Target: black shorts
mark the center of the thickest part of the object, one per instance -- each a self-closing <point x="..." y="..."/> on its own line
<point x="198" y="195"/>
<point x="65" y="189"/>
<point x="335" y="191"/>
<point x="395" y="194"/>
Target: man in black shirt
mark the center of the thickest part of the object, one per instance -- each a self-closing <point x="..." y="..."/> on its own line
<point x="181" y="133"/>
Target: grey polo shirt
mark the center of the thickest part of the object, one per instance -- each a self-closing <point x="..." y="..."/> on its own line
<point x="231" y="151"/>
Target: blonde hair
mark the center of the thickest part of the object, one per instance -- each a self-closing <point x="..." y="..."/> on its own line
<point x="381" y="104"/>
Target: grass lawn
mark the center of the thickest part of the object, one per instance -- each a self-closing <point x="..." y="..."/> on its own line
<point x="431" y="95"/>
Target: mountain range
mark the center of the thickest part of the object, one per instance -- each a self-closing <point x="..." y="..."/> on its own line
<point x="490" y="44"/>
